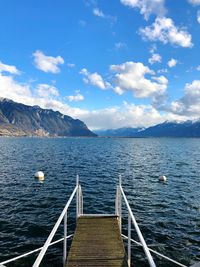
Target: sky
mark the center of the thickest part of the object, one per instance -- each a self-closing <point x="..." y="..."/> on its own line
<point x="109" y="63"/>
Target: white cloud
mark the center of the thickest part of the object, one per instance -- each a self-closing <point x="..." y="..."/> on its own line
<point x="43" y="95"/>
<point x="172" y="62"/>
<point x="164" y="30"/>
<point x="198" y="68"/>
<point x="76" y="98"/>
<point x="153" y="49"/>
<point x="161" y="79"/>
<point x="46" y="90"/>
<point x="113" y="117"/>
<point x="147" y="7"/>
<point x="189" y="104"/>
<point x="127" y="115"/>
<point x="194" y="2"/>
<point x="198" y="16"/>
<point x="11" y="89"/>
<point x="94" y="79"/>
<point x="97" y="12"/>
<point x="8" y="68"/>
<point x="130" y="76"/>
<point x="155" y="58"/>
<point x="118" y="90"/>
<point x="47" y="63"/>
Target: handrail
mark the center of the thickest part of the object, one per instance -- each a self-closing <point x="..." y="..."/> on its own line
<point x="157" y="253"/>
<point x="146" y="249"/>
<point x="55" y="228"/>
<point x="32" y="251"/>
<point x="118" y="210"/>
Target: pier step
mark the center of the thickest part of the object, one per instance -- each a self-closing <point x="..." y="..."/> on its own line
<point x="97" y="242"/>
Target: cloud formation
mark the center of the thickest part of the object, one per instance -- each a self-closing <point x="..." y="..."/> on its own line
<point x="198" y="16"/>
<point x="164" y="30"/>
<point x="94" y="79"/>
<point x="147" y="7"/>
<point x="155" y="58"/>
<point x="127" y="115"/>
<point x="97" y="12"/>
<point x="8" y="68"/>
<point x="75" y="98"/>
<point x="172" y="62"/>
<point x="189" y="104"/>
<point x="46" y="90"/>
<point x="130" y="76"/>
<point x="47" y="63"/>
<point x="45" y="96"/>
<point x="11" y="89"/>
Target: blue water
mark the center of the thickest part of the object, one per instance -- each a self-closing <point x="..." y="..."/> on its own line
<point x="168" y="214"/>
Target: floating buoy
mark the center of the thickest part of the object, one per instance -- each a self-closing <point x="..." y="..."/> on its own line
<point x="162" y="178"/>
<point x="39" y="175"/>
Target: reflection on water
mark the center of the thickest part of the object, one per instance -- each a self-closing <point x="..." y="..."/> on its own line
<point x="168" y="213"/>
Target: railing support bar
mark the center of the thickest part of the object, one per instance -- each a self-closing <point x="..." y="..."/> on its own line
<point x="34" y="251"/>
<point x="117" y="202"/>
<point x="146" y="249"/>
<point x="82" y="204"/>
<point x="77" y="196"/>
<point x="157" y="253"/>
<point x="50" y="237"/>
<point x="79" y="200"/>
<point x="65" y="240"/>
<point x="129" y="240"/>
<point x="120" y="203"/>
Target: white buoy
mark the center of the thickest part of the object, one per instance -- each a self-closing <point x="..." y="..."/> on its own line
<point x="39" y="175"/>
<point x="162" y="178"/>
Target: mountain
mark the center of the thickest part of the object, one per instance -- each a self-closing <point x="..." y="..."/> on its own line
<point x="166" y="129"/>
<point x="173" y="129"/>
<point x="21" y="120"/>
<point x="121" y="132"/>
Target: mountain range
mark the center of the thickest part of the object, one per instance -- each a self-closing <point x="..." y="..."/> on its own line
<point x="166" y="129"/>
<point x="21" y="120"/>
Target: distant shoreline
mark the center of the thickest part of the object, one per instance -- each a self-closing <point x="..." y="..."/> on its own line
<point x="99" y="137"/>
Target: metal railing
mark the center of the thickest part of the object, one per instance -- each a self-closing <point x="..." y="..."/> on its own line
<point x="31" y="252"/>
<point x="120" y="195"/>
<point x="118" y="202"/>
<point x="79" y="210"/>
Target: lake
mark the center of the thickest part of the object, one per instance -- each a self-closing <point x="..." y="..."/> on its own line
<point x="168" y="213"/>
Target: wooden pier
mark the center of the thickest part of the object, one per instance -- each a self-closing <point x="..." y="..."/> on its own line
<point x="97" y="242"/>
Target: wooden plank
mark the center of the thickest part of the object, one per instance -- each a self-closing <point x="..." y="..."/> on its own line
<point x="97" y="242"/>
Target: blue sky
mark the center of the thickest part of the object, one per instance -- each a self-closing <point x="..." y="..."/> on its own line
<point x="112" y="64"/>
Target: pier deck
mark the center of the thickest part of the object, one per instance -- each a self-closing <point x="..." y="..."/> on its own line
<point x="97" y="242"/>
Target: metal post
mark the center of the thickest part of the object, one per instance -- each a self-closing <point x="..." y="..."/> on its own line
<point x="77" y="196"/>
<point x="82" y="204"/>
<point x="79" y="200"/>
<point x="116" y="202"/>
<point x="129" y="240"/>
<point x="65" y="240"/>
<point x="119" y="203"/>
